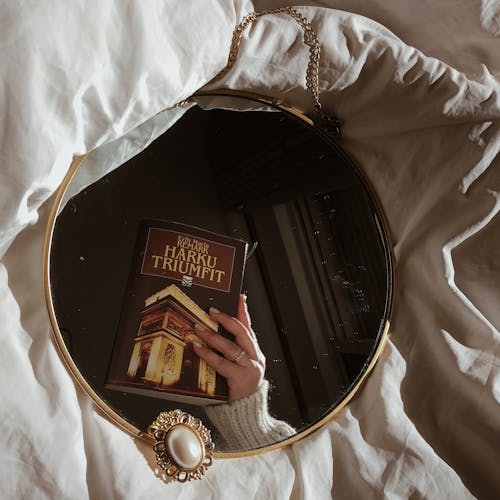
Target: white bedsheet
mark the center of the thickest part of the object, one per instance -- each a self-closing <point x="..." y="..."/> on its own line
<point x="417" y="84"/>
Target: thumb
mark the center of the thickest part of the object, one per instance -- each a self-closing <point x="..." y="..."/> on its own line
<point x="243" y="315"/>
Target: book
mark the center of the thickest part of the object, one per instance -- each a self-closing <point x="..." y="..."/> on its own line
<point x="177" y="273"/>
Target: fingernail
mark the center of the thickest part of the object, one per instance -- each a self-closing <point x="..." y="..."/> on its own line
<point x="214" y="310"/>
<point x="196" y="344"/>
<point x="199" y="327"/>
<point x="245" y="297"/>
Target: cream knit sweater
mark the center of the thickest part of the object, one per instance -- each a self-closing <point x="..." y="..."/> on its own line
<point x="246" y="424"/>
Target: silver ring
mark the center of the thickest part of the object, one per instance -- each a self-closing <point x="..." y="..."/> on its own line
<point x="239" y="356"/>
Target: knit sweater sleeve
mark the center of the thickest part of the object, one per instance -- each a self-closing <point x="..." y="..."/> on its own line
<point x="246" y="424"/>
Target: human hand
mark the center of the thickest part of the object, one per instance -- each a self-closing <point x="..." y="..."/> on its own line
<point x="242" y="362"/>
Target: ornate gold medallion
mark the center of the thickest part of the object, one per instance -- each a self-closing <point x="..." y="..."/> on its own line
<point x="183" y="445"/>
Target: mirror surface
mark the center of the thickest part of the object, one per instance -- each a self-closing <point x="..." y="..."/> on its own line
<point x="317" y="274"/>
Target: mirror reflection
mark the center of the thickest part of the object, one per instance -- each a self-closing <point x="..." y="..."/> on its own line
<point x="256" y="205"/>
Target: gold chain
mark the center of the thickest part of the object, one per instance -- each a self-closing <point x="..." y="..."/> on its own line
<point x="331" y="123"/>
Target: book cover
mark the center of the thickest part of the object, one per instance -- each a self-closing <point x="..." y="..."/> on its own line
<point x="177" y="273"/>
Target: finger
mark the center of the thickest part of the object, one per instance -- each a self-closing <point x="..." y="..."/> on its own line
<point x="229" y="349"/>
<point x="218" y="363"/>
<point x="243" y="315"/>
<point x="233" y="325"/>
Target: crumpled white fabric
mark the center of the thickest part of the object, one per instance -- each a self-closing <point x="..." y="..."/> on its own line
<point x="418" y="87"/>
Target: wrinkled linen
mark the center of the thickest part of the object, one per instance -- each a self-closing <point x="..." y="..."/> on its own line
<point x="418" y="87"/>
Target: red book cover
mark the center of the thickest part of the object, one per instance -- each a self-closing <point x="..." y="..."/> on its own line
<point x="177" y="273"/>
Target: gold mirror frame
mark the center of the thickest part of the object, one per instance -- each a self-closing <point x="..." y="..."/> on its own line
<point x="84" y="385"/>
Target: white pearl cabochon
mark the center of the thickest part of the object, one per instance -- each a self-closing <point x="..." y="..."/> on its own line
<point x="184" y="447"/>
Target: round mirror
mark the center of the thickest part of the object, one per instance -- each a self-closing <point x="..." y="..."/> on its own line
<point x="225" y="202"/>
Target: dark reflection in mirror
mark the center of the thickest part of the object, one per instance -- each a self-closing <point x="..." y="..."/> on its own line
<point x="317" y="283"/>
